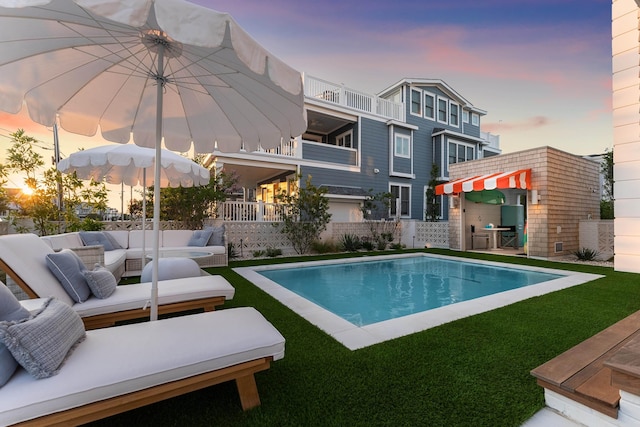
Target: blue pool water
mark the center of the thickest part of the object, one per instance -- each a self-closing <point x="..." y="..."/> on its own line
<point x="366" y="292"/>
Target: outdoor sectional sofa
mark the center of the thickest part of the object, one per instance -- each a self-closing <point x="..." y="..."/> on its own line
<point x="23" y="258"/>
<point x="113" y="370"/>
<point x="126" y="259"/>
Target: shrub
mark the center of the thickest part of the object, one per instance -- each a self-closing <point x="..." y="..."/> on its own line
<point x="273" y="252"/>
<point x="231" y="250"/>
<point x="367" y="245"/>
<point x="325" y="247"/>
<point x="258" y="253"/>
<point x="350" y="242"/>
<point x="382" y="244"/>
<point x="586" y="254"/>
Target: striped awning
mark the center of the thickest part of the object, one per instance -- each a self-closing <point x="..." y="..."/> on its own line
<point x="514" y="179"/>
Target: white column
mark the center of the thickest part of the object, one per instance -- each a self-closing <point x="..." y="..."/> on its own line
<point x="626" y="133"/>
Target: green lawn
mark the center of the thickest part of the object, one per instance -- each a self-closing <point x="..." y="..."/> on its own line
<point x="471" y="372"/>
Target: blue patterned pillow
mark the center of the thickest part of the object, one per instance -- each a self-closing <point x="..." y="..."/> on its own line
<point x="101" y="281"/>
<point x="67" y="267"/>
<point x="217" y="236"/>
<point x="10" y="309"/>
<point x="42" y="343"/>
<point x="200" y="238"/>
<point x="91" y="238"/>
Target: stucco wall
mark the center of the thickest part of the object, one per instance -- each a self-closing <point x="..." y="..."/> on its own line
<point x="568" y="188"/>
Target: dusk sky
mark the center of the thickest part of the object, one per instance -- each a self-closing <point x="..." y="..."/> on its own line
<point x="540" y="68"/>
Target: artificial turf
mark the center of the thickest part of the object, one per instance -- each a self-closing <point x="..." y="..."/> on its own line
<point x="470" y="372"/>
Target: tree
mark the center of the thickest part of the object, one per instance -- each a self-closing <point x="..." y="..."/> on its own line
<point x="606" y="168"/>
<point x="192" y="205"/>
<point x="304" y="212"/>
<point x="41" y="205"/>
<point x="432" y="212"/>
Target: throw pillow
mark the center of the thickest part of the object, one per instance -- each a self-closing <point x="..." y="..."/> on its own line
<point x="10" y="307"/>
<point x="113" y="241"/>
<point x="101" y="281"/>
<point x="199" y="238"/>
<point x="90" y="238"/>
<point x="42" y="343"/>
<point x="10" y="310"/>
<point x="217" y="236"/>
<point x="67" y="267"/>
<point x="8" y="364"/>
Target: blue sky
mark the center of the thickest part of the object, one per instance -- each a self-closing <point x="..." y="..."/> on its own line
<point x="540" y="68"/>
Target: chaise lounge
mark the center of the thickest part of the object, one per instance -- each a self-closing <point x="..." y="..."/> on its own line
<point x="23" y="258"/>
<point x="94" y="383"/>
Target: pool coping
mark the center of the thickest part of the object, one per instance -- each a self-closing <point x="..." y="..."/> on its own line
<point x="355" y="337"/>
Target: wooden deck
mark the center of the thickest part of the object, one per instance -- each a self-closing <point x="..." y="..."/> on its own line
<point x="581" y="374"/>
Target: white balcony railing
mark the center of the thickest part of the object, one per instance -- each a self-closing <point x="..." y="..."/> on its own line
<point x="338" y="94"/>
<point x="248" y="211"/>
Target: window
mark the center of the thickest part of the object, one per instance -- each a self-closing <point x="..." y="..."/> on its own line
<point x="416" y="102"/>
<point x="475" y="119"/>
<point x="429" y="106"/>
<point x="442" y="110"/>
<point x="401" y="199"/>
<point x="453" y="115"/>
<point x="460" y="152"/>
<point x="345" y="139"/>
<point x="402" y="147"/>
<point x="465" y="116"/>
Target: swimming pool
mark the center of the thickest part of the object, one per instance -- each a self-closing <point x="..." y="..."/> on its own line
<point x="371" y="291"/>
<point x="414" y="292"/>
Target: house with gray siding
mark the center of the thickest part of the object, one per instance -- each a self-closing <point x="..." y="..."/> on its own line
<point x="358" y="144"/>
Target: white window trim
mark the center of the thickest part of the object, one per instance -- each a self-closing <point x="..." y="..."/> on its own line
<point x="459" y="118"/>
<point x="419" y="92"/>
<point x="397" y="184"/>
<point x="435" y="105"/>
<point x="403" y="136"/>
<point x="446" y="101"/>
<point x="465" y="116"/>
<point x="475" y="119"/>
<point x="466" y="145"/>
<point x="342" y="135"/>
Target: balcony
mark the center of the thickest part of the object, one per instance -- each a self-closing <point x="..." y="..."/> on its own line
<point x="339" y="95"/>
<point x="248" y="211"/>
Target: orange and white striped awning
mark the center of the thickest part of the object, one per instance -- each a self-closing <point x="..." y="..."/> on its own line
<point x="514" y="179"/>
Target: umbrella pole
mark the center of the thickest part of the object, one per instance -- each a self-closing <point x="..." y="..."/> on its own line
<point x="144" y="214"/>
<point x="156" y="185"/>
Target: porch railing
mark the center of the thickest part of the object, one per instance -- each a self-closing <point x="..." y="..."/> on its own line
<point x="248" y="211"/>
<point x="341" y="95"/>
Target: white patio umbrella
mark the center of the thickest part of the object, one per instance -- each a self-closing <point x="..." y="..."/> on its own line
<point x="128" y="164"/>
<point x="151" y="70"/>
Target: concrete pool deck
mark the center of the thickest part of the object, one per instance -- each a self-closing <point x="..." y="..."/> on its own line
<point x="354" y="337"/>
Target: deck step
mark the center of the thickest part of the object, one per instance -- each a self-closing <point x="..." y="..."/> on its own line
<point x="580" y="373"/>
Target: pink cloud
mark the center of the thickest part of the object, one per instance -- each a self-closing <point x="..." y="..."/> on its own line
<point x="523" y="125"/>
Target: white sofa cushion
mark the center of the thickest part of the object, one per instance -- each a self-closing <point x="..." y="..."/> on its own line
<point x="114" y="259"/>
<point x="64" y="241"/>
<point x="135" y="239"/>
<point x="163" y="353"/>
<point x="175" y="238"/>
